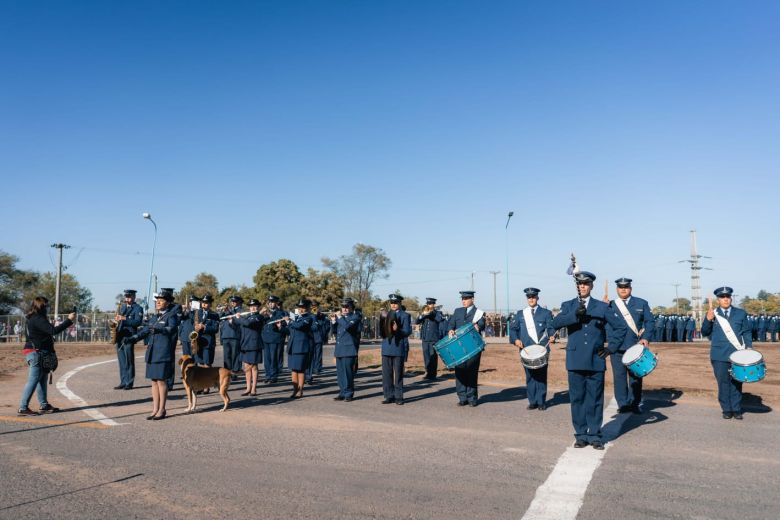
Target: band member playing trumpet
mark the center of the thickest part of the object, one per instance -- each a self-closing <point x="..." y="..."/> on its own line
<point x="251" y="344"/>
<point x="726" y="326"/>
<point x="187" y="325"/>
<point x="467" y="374"/>
<point x="585" y="319"/>
<point x="640" y="325"/>
<point x="346" y="326"/>
<point x="430" y="321"/>
<point x="273" y="338"/>
<point x="301" y="331"/>
<point x="230" y="336"/>
<point x="207" y="325"/>
<point x="395" y="346"/>
<point x="533" y="326"/>
<point x="128" y="319"/>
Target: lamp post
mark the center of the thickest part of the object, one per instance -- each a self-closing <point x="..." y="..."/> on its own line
<point x="148" y="217"/>
<point x="506" y="239"/>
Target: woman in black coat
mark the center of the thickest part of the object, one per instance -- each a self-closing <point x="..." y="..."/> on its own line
<point x="40" y="339"/>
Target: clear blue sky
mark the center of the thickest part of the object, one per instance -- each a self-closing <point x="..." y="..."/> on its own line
<point x="254" y="131"/>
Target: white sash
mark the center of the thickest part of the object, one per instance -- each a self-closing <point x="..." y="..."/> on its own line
<point x="530" y="325"/>
<point x="627" y="316"/>
<point x="478" y="315"/>
<point x="729" y="332"/>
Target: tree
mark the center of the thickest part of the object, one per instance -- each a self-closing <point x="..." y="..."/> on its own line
<point x="281" y="278"/>
<point x="324" y="286"/>
<point x="202" y="283"/>
<point x="762" y="295"/>
<point x="72" y="294"/>
<point x="13" y="284"/>
<point x="360" y="270"/>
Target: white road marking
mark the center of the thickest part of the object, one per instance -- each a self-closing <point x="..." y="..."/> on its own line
<point x="562" y="494"/>
<point x="62" y="386"/>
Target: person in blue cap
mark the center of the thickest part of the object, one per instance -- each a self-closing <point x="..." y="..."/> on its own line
<point x="129" y="317"/>
<point x="273" y="338"/>
<point x="467" y="373"/>
<point x="430" y="320"/>
<point x="346" y="326"/>
<point x="230" y="337"/>
<point x="394" y="350"/>
<point x="533" y="326"/>
<point x="586" y="319"/>
<point x="207" y="327"/>
<point x="638" y="319"/>
<point x="251" y="344"/>
<point x="301" y="330"/>
<point x="728" y="329"/>
<point x="186" y="324"/>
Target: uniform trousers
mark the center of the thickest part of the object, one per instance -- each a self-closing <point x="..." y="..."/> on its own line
<point x="279" y="357"/>
<point x="231" y="354"/>
<point x="586" y="392"/>
<point x="628" y="387"/>
<point x="430" y="358"/>
<point x="536" y="385"/>
<point x="315" y="366"/>
<point x="346" y="376"/>
<point x="125" y="355"/>
<point x="729" y="390"/>
<point x="271" y="359"/>
<point x="467" y="380"/>
<point x="393" y="377"/>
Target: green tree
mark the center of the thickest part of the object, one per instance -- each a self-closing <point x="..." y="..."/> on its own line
<point x="324" y="286"/>
<point x="281" y="278"/>
<point x="72" y="294"/>
<point x="14" y="283"/>
<point x="202" y="283"/>
<point x="360" y="270"/>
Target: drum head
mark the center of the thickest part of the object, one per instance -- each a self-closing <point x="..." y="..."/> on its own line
<point x="746" y="357"/>
<point x="633" y="353"/>
<point x="533" y="352"/>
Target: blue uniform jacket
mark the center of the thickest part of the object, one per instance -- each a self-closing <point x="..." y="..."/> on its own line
<point x="720" y="348"/>
<point x="210" y="320"/>
<point x="272" y="334"/>
<point x="460" y="317"/>
<point x="229" y="330"/>
<point x="431" y="326"/>
<point x="587" y="336"/>
<point x="134" y="315"/>
<point x="542" y="320"/>
<point x="347" y="331"/>
<point x="398" y="344"/>
<point x="639" y="309"/>
<point x="161" y="330"/>
<point x="185" y="326"/>
<point x="321" y="331"/>
<point x="301" y="331"/>
<point x="251" y="327"/>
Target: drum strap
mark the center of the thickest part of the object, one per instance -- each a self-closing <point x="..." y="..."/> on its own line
<point x="729" y="332"/>
<point x="530" y="325"/>
<point x="627" y="316"/>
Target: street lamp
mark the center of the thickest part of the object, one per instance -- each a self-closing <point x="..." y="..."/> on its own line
<point x="148" y="217"/>
<point x="506" y="239"/>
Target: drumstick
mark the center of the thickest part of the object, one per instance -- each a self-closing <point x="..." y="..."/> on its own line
<point x="709" y="301"/>
<point x="606" y="291"/>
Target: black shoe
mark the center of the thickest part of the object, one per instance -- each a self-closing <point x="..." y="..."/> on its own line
<point x="399" y="401"/>
<point x="462" y="403"/>
<point x="738" y="416"/>
<point x="727" y="415"/>
<point x="349" y="399"/>
<point x="26" y="411"/>
<point x="636" y="410"/>
<point x="473" y="403"/>
<point x="309" y="382"/>
<point x="542" y="407"/>
<point x="532" y="407"/>
<point x="266" y="380"/>
<point x="294" y="395"/>
<point x="338" y="398"/>
<point x="128" y="387"/>
<point x="597" y="445"/>
<point x="160" y="417"/>
<point x="119" y="387"/>
<point x="47" y="408"/>
<point x="388" y="401"/>
<point x="149" y="417"/>
<point x="580" y="443"/>
<point x="273" y="381"/>
<point x="625" y="409"/>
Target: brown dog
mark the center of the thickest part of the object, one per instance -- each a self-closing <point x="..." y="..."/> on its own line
<point x="197" y="378"/>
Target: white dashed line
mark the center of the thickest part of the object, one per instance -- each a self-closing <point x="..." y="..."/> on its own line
<point x="62" y="386"/>
<point x="563" y="492"/>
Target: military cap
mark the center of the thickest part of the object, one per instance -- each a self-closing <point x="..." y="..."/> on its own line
<point x="165" y="293"/>
<point x="585" y="277"/>
<point x="274" y="299"/>
<point x="723" y="291"/>
<point x="254" y="301"/>
<point x="395" y="298"/>
<point x="130" y="292"/>
<point x="466" y="294"/>
<point x="531" y="292"/>
<point x="348" y="302"/>
<point x="207" y="298"/>
<point x="236" y="299"/>
<point x="623" y="282"/>
<point x="303" y="302"/>
<point x="194" y="298"/>
<point x="430" y="301"/>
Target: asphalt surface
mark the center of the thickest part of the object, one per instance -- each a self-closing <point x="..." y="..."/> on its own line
<point x="270" y="457"/>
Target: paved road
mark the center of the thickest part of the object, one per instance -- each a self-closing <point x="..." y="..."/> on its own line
<point x="270" y="457"/>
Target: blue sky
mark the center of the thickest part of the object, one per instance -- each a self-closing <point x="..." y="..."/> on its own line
<point x="254" y="131"/>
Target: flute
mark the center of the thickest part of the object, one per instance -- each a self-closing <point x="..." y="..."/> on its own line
<point x="239" y="314"/>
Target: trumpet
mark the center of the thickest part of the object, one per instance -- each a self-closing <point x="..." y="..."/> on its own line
<point x="427" y="309"/>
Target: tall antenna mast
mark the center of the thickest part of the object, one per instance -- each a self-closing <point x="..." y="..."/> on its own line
<point x="696" y="302"/>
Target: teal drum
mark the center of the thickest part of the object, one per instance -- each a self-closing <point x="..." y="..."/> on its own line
<point x="464" y="345"/>
<point x="747" y="366"/>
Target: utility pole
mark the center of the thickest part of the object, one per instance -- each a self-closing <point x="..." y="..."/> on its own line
<point x="676" y="298"/>
<point x="59" y="247"/>
<point x="696" y="278"/>
<point x="495" y="305"/>
<point x="472" y="280"/>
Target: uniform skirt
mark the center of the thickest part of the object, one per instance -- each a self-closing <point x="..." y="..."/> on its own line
<point x="159" y="371"/>
<point x="253" y="357"/>
<point x="298" y="362"/>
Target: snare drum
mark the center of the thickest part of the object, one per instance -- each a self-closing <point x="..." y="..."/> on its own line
<point x="534" y="356"/>
<point x="747" y="366"/>
<point x="464" y="345"/>
<point x="639" y="360"/>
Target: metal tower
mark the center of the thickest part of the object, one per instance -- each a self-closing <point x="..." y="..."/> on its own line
<point x="696" y="302"/>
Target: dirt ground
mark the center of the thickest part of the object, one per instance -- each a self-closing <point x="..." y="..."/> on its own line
<point x="682" y="367"/>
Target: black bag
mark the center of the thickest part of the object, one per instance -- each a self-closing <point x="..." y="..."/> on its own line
<point x="49" y="360"/>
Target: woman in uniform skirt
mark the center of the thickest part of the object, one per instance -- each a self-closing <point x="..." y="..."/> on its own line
<point x="251" y="344"/>
<point x="300" y="344"/>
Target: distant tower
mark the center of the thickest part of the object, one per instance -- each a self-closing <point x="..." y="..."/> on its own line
<point x="696" y="302"/>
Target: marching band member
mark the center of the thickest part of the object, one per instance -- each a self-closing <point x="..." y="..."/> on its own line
<point x="129" y="318"/>
<point x="430" y="323"/>
<point x="467" y="374"/>
<point x="207" y="327"/>
<point x="300" y="345"/>
<point x="727" y="327"/>
<point x="640" y="328"/>
<point x="230" y="336"/>
<point x="585" y="319"/>
<point x="533" y="326"/>
<point x="251" y="344"/>
<point x="320" y="337"/>
<point x="186" y="325"/>
<point x="161" y="330"/>
<point x="273" y="339"/>
<point x="346" y="326"/>
<point x="394" y="350"/>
